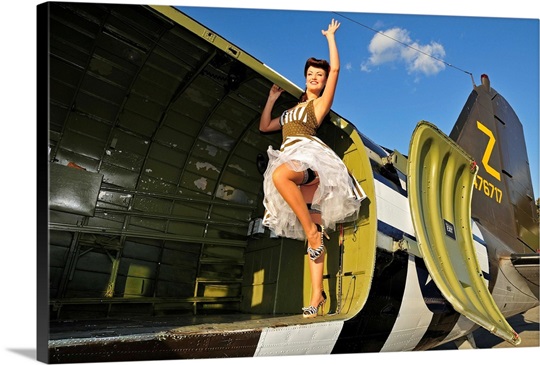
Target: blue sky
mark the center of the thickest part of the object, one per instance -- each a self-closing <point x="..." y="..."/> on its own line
<point x="385" y="87"/>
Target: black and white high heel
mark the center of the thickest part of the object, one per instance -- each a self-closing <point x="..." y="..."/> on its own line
<point x="315" y="253"/>
<point x="311" y="311"/>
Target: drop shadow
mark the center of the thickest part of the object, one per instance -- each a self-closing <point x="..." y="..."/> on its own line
<point x="25" y="352"/>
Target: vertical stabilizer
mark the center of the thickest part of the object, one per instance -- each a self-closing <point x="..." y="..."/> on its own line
<point x="503" y="199"/>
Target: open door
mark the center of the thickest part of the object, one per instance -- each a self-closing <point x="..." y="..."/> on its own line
<point x="440" y="179"/>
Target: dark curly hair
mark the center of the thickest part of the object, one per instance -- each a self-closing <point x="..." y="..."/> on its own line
<point x="317" y="63"/>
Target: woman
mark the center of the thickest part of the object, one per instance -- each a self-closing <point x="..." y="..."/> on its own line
<point x="307" y="187"/>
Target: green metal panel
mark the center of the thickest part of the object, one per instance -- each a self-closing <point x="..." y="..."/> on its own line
<point x="73" y="190"/>
<point x="441" y="179"/>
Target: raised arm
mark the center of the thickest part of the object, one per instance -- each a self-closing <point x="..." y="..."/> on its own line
<point x="267" y="124"/>
<point x="324" y="102"/>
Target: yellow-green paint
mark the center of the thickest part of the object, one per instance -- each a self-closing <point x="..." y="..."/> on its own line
<point x="360" y="239"/>
<point x="440" y="179"/>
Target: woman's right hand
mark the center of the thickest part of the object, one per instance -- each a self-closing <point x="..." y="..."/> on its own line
<point x="267" y="124"/>
<point x="275" y="92"/>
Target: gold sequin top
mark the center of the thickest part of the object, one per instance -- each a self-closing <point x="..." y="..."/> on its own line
<point x="299" y="121"/>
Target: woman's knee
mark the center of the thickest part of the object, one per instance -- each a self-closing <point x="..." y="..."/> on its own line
<point x="283" y="173"/>
<point x="279" y="175"/>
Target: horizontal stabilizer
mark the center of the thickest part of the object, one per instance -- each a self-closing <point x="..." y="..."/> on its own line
<point x="528" y="265"/>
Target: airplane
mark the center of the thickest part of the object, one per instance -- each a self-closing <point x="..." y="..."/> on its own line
<point x="151" y="246"/>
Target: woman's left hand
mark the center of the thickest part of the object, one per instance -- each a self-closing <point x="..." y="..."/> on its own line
<point x="332" y="28"/>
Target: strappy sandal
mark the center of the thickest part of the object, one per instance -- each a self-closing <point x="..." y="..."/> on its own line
<point x="314" y="254"/>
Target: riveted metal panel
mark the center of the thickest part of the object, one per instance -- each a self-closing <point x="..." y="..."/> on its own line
<point x="441" y="179"/>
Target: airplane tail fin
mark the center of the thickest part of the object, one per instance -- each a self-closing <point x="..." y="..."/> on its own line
<point x="503" y="199"/>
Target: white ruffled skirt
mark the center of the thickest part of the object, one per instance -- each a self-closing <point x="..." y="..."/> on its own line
<point x="337" y="197"/>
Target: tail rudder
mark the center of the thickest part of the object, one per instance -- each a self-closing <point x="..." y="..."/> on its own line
<point x="503" y="199"/>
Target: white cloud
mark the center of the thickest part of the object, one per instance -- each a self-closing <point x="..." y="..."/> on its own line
<point x="395" y="46"/>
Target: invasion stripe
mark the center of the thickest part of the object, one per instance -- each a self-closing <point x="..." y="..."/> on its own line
<point x="393" y="208"/>
<point x="381" y="309"/>
<point x="392" y="185"/>
<point x="414" y="316"/>
<point x="313" y="339"/>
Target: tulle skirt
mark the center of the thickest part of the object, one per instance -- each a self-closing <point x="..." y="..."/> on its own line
<point x="337" y="197"/>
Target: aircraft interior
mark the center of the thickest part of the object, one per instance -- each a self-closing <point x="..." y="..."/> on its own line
<point x="155" y="180"/>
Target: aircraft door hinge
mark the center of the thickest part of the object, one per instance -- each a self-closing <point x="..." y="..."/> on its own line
<point x="400" y="245"/>
<point x="398" y="160"/>
<point x="407" y="244"/>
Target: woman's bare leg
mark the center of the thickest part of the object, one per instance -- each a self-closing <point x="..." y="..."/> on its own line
<point x="316" y="267"/>
<point x="286" y="182"/>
